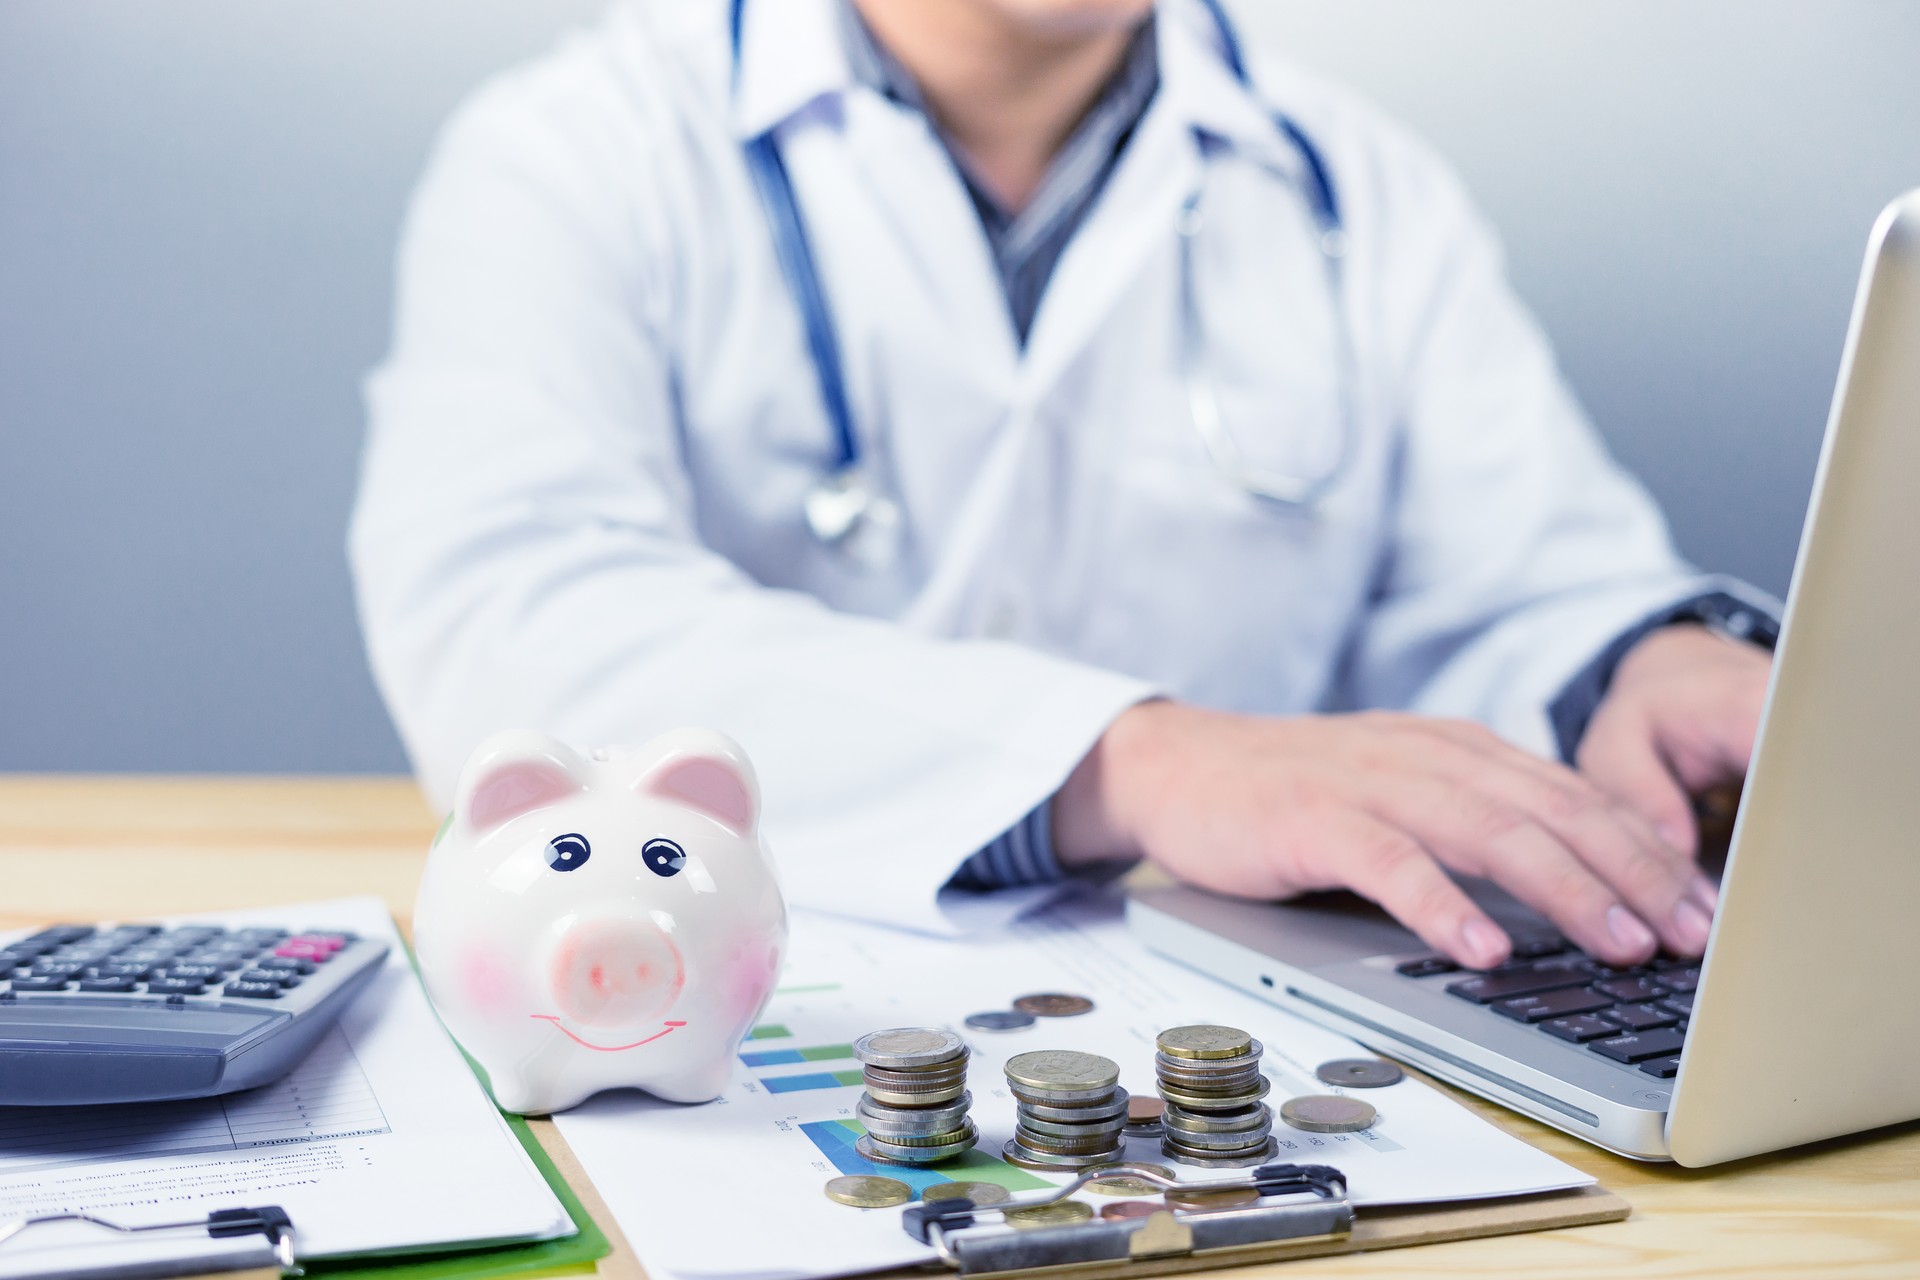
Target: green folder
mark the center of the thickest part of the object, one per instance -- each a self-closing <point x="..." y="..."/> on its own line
<point x="567" y="1256"/>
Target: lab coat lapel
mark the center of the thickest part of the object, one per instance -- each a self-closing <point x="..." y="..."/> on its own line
<point x="1198" y="98"/>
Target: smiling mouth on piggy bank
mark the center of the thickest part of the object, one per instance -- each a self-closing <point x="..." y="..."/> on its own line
<point x="566" y="1031"/>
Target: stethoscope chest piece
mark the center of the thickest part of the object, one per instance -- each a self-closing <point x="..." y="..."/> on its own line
<point x="844" y="511"/>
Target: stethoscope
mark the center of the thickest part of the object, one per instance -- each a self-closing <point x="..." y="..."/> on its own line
<point x="845" y="508"/>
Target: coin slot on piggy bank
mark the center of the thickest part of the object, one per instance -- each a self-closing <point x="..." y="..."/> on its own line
<point x="600" y="919"/>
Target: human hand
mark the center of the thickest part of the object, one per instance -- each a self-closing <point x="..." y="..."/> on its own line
<point x="1269" y="807"/>
<point x="1679" y="720"/>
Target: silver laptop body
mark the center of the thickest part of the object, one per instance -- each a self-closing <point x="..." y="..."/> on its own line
<point x="1805" y="1019"/>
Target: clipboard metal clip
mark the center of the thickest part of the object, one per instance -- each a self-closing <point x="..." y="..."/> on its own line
<point x="1294" y="1203"/>
<point x="270" y="1221"/>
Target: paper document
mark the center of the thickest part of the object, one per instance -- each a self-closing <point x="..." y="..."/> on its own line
<point x="682" y="1180"/>
<point x="381" y="1141"/>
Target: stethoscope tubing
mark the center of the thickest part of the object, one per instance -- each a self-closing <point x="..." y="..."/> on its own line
<point x="798" y="266"/>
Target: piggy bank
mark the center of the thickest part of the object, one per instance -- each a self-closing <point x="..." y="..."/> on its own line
<point x="597" y="919"/>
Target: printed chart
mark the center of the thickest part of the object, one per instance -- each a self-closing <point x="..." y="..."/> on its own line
<point x="327" y="1096"/>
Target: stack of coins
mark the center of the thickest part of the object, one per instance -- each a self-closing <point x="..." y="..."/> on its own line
<point x="915" y="1106"/>
<point x="1070" y="1107"/>
<point x="1210" y="1078"/>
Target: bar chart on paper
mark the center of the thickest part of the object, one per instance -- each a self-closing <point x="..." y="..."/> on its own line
<point x="327" y="1096"/>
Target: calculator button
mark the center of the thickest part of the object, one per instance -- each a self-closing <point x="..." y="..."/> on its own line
<point x="58" y="935"/>
<point x="175" y="986"/>
<point x="254" y="990"/>
<point x="295" y="949"/>
<point x="43" y="983"/>
<point x="259" y="937"/>
<point x="106" y="984"/>
<point x="279" y="977"/>
<point x="192" y="935"/>
<point x="292" y="964"/>
<point x="52" y="969"/>
<point x="202" y="973"/>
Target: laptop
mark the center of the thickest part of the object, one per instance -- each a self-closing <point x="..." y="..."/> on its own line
<point x="1802" y="1021"/>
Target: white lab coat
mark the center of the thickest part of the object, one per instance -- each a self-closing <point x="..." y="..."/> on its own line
<point x="581" y="503"/>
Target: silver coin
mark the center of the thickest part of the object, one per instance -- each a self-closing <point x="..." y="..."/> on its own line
<point x="1172" y="1152"/>
<point x="909" y="1081"/>
<point x="1114" y="1108"/>
<point x="1015" y="1153"/>
<point x="912" y="1121"/>
<point x="948" y="1069"/>
<point x="1360" y="1073"/>
<point x="907" y="1047"/>
<point x="1068" y="1143"/>
<point x="1190" y="1101"/>
<point x="908" y="1101"/>
<point x="1070" y="1129"/>
<point x="1000" y="1020"/>
<point x="1061" y="1097"/>
<point x="1222" y="1143"/>
<point x="1327" y="1113"/>
<point x="893" y="1153"/>
<point x="1182" y="1121"/>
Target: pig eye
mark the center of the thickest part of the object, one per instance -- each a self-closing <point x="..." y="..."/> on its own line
<point x="663" y="857"/>
<point x="568" y="853"/>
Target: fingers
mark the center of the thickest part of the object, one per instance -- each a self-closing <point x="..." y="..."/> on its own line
<point x="1619" y="754"/>
<point x="1389" y="867"/>
<point x="1478" y="832"/>
<point x="1496" y="791"/>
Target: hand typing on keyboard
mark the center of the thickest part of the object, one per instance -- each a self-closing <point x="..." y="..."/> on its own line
<point x="1383" y="804"/>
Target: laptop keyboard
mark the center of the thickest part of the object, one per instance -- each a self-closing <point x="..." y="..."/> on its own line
<point x="1637" y="1016"/>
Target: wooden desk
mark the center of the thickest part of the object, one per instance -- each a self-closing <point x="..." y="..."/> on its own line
<point x="100" y="848"/>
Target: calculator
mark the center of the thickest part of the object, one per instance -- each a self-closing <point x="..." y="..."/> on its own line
<point x="143" y="1012"/>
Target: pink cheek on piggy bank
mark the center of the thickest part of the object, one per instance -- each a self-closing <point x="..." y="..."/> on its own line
<point x="752" y="969"/>
<point x="487" y="979"/>
<point x="616" y="973"/>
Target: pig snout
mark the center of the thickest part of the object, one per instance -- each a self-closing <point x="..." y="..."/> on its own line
<point x="616" y="972"/>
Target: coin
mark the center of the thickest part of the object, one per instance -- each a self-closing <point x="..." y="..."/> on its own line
<point x="1359" y="1073"/>
<point x="1326" y="1113"/>
<point x="1204" y="1041"/>
<point x="1121" y="1184"/>
<point x="1215" y="1160"/>
<point x="895" y="1153"/>
<point x="1063" y="1098"/>
<point x="1202" y="1198"/>
<point x="1243" y="1121"/>
<point x="1132" y="1209"/>
<point x="881" y="1118"/>
<point x="1053" y="1004"/>
<point x="1144" y="1110"/>
<point x="1221" y="1144"/>
<point x="1048" y="1070"/>
<point x="1056" y="1214"/>
<point x="1213" y="1101"/>
<point x="1000" y="1020"/>
<point x="981" y="1193"/>
<point x="864" y="1191"/>
<point x="1016" y="1153"/>
<point x="900" y="1098"/>
<point x="1084" y="1113"/>
<point x="907" y="1047"/>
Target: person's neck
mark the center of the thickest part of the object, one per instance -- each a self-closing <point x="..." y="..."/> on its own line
<point x="1007" y="95"/>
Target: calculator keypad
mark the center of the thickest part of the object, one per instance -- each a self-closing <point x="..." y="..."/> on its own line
<point x="194" y="960"/>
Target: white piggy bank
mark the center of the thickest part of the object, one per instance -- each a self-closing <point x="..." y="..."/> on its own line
<point x="590" y="920"/>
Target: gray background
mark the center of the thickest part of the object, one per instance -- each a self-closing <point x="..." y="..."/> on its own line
<point x="198" y="203"/>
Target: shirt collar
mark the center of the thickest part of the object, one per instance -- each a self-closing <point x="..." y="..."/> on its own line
<point x="794" y="53"/>
<point x="791" y="55"/>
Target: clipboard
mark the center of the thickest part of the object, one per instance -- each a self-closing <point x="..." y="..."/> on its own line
<point x="1370" y="1229"/>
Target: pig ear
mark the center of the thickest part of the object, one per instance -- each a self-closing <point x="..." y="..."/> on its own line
<point x="704" y="771"/>
<point x="514" y="773"/>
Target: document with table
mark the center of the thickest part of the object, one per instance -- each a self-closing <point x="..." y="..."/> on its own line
<point x="734" y="1188"/>
<point x="382" y="1141"/>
